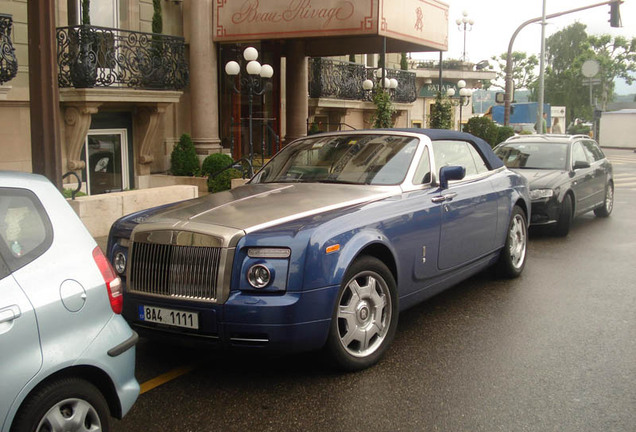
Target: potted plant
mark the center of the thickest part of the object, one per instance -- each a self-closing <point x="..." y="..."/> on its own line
<point x="83" y="65"/>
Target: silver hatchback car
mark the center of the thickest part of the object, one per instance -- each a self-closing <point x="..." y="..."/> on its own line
<point x="67" y="357"/>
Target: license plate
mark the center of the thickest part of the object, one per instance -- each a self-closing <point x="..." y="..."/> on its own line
<point x="171" y="317"/>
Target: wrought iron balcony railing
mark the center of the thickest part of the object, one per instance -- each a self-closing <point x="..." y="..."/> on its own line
<point x="8" y="60"/>
<point x="337" y="79"/>
<point x="90" y="56"/>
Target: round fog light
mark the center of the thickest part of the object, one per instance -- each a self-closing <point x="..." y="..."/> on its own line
<point x="120" y="263"/>
<point x="258" y="276"/>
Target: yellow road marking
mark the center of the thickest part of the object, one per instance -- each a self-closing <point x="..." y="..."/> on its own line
<point x="164" y="378"/>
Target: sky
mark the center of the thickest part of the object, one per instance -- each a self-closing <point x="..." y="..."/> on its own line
<point x="497" y="20"/>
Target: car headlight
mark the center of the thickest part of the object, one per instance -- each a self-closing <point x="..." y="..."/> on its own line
<point x="259" y="276"/>
<point x="537" y="194"/>
<point x="119" y="262"/>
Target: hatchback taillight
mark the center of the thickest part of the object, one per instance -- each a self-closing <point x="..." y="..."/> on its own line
<point x="113" y="283"/>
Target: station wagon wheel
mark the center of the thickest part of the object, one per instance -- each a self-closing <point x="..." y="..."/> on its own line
<point x="608" y="204"/>
<point x="513" y="255"/>
<point x="562" y="227"/>
<point x="69" y="404"/>
<point x="365" y="316"/>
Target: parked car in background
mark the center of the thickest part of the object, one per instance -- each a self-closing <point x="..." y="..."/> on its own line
<point x="326" y="245"/>
<point x="569" y="175"/>
<point x="67" y="355"/>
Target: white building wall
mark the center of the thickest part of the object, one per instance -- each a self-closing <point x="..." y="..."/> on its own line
<point x="618" y="129"/>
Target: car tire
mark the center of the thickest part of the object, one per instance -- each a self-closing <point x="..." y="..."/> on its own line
<point x="365" y="315"/>
<point x="64" y="404"/>
<point x="562" y="227"/>
<point x="512" y="258"/>
<point x="608" y="204"/>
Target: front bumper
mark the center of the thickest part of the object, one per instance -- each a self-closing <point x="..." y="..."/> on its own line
<point x="545" y="212"/>
<point x="291" y="322"/>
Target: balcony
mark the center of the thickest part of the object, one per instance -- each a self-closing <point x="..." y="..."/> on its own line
<point x="89" y="56"/>
<point x="337" y="79"/>
<point x="8" y="60"/>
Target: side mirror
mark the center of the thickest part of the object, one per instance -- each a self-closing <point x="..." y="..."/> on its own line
<point x="448" y="173"/>
<point x="581" y="165"/>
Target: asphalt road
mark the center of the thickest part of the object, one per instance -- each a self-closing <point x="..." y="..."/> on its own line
<point x="554" y="350"/>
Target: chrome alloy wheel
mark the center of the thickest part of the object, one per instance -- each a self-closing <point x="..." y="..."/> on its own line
<point x="518" y="241"/>
<point x="364" y="314"/>
<point x="74" y="415"/>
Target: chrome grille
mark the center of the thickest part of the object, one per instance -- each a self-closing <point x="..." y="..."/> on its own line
<point x="189" y="272"/>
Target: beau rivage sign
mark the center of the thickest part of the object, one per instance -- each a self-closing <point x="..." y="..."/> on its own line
<point x="423" y="22"/>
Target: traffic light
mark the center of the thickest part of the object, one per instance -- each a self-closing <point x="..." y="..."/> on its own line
<point x="615" y="14"/>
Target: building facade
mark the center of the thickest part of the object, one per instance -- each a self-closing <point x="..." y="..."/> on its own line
<point x="127" y="94"/>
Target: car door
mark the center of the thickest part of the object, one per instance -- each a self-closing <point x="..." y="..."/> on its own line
<point x="599" y="172"/>
<point x="20" y="353"/>
<point x="582" y="179"/>
<point x="468" y="208"/>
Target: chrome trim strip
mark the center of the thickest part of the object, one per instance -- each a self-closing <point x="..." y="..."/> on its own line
<point x="249" y="340"/>
<point x="393" y="191"/>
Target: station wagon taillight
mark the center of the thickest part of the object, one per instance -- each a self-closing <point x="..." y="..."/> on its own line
<point x="113" y="282"/>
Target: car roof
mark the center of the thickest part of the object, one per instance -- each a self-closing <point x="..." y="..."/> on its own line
<point x="439" y="135"/>
<point x="547" y="138"/>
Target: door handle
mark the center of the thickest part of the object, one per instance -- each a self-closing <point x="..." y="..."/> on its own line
<point x="450" y="196"/>
<point x="442" y="198"/>
<point x="9" y="313"/>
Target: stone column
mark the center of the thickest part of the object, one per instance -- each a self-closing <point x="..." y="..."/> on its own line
<point x="203" y="79"/>
<point x="297" y="92"/>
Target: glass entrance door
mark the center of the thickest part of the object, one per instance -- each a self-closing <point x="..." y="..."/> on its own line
<point x="106" y="157"/>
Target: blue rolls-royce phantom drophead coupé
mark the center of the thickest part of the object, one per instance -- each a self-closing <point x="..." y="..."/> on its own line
<point x="325" y="245"/>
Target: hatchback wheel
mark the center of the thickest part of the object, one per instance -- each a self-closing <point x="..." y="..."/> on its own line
<point x="365" y="315"/>
<point x="65" y="405"/>
<point x="608" y="204"/>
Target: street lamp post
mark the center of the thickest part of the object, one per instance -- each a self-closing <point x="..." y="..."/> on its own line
<point x="464" y="24"/>
<point x="462" y="101"/>
<point x="384" y="82"/>
<point x="256" y="82"/>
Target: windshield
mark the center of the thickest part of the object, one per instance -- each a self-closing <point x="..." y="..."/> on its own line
<point x="534" y="155"/>
<point x="351" y="159"/>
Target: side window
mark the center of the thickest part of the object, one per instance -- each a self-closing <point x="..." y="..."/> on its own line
<point x="480" y="164"/>
<point x="578" y="154"/>
<point x="25" y="229"/>
<point x="423" y="171"/>
<point x="448" y="153"/>
<point x="594" y="152"/>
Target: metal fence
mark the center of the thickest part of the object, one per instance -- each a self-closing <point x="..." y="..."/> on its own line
<point x="8" y="60"/>
<point x="90" y="56"/>
<point x="337" y="79"/>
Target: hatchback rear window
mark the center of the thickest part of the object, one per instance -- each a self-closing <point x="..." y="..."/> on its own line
<point x="25" y="228"/>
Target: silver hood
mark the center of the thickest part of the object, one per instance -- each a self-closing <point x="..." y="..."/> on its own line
<point x="257" y="206"/>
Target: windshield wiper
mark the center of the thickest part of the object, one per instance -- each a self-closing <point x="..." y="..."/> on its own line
<point x="335" y="181"/>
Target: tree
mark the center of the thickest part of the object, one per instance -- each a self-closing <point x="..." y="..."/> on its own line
<point x="440" y="117"/>
<point x="523" y="70"/>
<point x="617" y="59"/>
<point x="563" y="79"/>
<point x="383" y="116"/>
<point x="567" y="50"/>
<point x="404" y="63"/>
